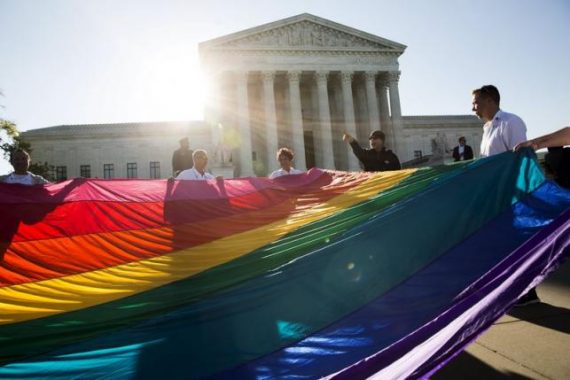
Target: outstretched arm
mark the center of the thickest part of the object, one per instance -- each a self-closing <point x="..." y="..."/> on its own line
<point x="347" y="138"/>
<point x="558" y="138"/>
<point x="356" y="148"/>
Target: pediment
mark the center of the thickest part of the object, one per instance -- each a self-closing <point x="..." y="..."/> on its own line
<point x="304" y="32"/>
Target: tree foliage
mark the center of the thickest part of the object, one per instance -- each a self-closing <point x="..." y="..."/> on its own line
<point x="10" y="140"/>
<point x="8" y="137"/>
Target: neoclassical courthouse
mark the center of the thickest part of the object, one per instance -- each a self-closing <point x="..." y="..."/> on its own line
<point x="298" y="82"/>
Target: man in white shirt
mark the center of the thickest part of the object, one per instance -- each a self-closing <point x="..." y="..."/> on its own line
<point x="502" y="130"/>
<point x="20" y="160"/>
<point x="198" y="171"/>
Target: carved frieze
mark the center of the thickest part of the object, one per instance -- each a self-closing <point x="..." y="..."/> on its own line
<point x="304" y="34"/>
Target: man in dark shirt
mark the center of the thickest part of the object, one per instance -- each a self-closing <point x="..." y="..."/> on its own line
<point x="182" y="158"/>
<point x="462" y="152"/>
<point x="377" y="158"/>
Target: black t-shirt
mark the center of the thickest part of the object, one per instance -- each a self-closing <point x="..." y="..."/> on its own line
<point x="374" y="161"/>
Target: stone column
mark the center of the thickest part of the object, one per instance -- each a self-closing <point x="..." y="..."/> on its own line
<point x="396" y="111"/>
<point x="297" y="119"/>
<point x="385" y="122"/>
<point x="213" y="118"/>
<point x="326" y="137"/>
<point x="212" y="105"/>
<point x="270" y="117"/>
<point x="245" y="162"/>
<point x="373" y="114"/>
<point x="349" y="120"/>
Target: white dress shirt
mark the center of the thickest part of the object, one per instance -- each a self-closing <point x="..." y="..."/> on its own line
<point x="24" y="179"/>
<point x="502" y="134"/>
<point x="281" y="172"/>
<point x="194" y="174"/>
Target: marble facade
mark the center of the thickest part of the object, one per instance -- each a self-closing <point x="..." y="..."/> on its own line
<point x="299" y="82"/>
<point x="125" y="150"/>
<point x="303" y="81"/>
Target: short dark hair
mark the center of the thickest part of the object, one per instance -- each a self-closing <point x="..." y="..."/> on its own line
<point x="462" y="138"/>
<point x="489" y="91"/>
<point x="285" y="152"/>
<point x="19" y="150"/>
<point x="377" y="135"/>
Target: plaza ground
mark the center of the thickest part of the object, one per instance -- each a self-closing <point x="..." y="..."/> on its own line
<point x="531" y="342"/>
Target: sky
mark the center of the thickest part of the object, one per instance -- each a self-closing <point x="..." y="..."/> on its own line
<point x="111" y="61"/>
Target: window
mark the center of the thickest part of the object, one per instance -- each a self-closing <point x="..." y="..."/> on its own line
<point x="85" y="171"/>
<point x="60" y="173"/>
<point x="131" y="170"/>
<point x="418" y="154"/>
<point x="108" y="171"/>
<point x="51" y="171"/>
<point x="154" y="169"/>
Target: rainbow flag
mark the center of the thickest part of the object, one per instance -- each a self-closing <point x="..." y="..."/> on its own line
<point x="325" y="274"/>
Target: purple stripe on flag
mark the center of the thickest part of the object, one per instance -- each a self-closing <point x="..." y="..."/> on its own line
<point x="423" y="352"/>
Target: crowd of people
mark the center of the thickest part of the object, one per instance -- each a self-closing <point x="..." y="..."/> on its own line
<point x="502" y="131"/>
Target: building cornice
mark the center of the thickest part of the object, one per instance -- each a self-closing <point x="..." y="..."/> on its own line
<point x="297" y="51"/>
<point x="82" y="131"/>
<point x="437" y="121"/>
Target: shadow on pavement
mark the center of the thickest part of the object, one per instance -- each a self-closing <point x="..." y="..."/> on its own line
<point x="543" y="314"/>
<point x="546" y="315"/>
<point x="467" y="367"/>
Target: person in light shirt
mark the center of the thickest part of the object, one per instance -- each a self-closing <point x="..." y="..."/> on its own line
<point x="502" y="130"/>
<point x="198" y="171"/>
<point x="285" y="157"/>
<point x="20" y="160"/>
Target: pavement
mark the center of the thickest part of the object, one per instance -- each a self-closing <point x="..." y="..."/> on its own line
<point x="531" y="342"/>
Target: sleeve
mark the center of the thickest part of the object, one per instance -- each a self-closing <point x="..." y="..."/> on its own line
<point x="396" y="164"/>
<point x="39" y="180"/>
<point x="174" y="163"/>
<point x="358" y="151"/>
<point x="468" y="154"/>
<point x="515" y="132"/>
<point x="455" y="153"/>
<point x="183" y="175"/>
